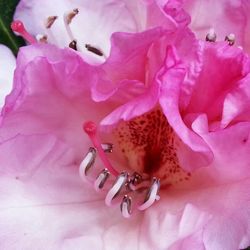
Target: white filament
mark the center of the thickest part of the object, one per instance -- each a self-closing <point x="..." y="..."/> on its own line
<point x="153" y="196"/>
<point x="124" y="210"/>
<point x="113" y="191"/>
<point x="84" y="164"/>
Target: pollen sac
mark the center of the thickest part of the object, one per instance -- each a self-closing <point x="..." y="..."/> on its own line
<point x="93" y="50"/>
<point x="73" y="45"/>
<point x="42" y="38"/>
<point x="70" y="15"/>
<point x="135" y="178"/>
<point x="230" y="39"/>
<point x="211" y="36"/>
<point x="101" y="179"/>
<point x="107" y="147"/>
<point x="125" y="206"/>
<point x="50" y="21"/>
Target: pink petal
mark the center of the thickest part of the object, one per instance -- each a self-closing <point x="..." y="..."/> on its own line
<point x="212" y="217"/>
<point x="44" y="203"/>
<point x="172" y="80"/>
<point x="236" y="104"/>
<point x="7" y="66"/>
<point x="57" y="102"/>
<point x="230" y="147"/>
<point x="231" y="63"/>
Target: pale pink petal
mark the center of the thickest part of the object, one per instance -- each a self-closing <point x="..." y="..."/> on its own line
<point x="44" y="203"/>
<point x="7" y="66"/>
<point x="229" y="163"/>
<point x="212" y="217"/>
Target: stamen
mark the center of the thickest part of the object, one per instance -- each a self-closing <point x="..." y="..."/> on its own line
<point x="211" y="36"/>
<point x="87" y="163"/>
<point x="73" y="45"/>
<point x="50" y="21"/>
<point x="101" y="179"/>
<point x="151" y="195"/>
<point x="126" y="206"/>
<point x="230" y="39"/>
<point x="107" y="147"/>
<point x="42" y="38"/>
<point x="116" y="188"/>
<point x="91" y="129"/>
<point x="18" y="27"/>
<point x="68" y="17"/>
<point x="94" y="50"/>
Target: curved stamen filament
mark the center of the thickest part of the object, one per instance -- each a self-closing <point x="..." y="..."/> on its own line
<point x="101" y="179"/>
<point x="67" y="18"/>
<point x="87" y="163"/>
<point x="151" y="195"/>
<point x="91" y="129"/>
<point x="117" y="187"/>
<point x="126" y="206"/>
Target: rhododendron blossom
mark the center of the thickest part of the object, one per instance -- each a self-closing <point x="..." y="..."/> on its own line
<point x="146" y="149"/>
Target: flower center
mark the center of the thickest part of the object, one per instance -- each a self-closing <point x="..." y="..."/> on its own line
<point x="149" y="146"/>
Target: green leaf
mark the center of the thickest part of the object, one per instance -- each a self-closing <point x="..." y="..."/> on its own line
<point x="7" y="37"/>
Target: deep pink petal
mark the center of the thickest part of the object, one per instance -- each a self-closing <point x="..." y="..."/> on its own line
<point x="222" y="66"/>
<point x="172" y="79"/>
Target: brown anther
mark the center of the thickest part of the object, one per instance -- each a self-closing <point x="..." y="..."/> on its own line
<point x="71" y="15"/>
<point x="230" y="39"/>
<point x="42" y="38"/>
<point x="73" y="45"/>
<point x="93" y="50"/>
<point x="50" y="21"/>
<point x="211" y="36"/>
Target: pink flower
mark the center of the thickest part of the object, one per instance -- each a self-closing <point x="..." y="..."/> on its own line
<point x="224" y="17"/>
<point x="175" y="108"/>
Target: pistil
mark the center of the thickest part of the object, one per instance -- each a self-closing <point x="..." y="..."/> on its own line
<point x="18" y="27"/>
